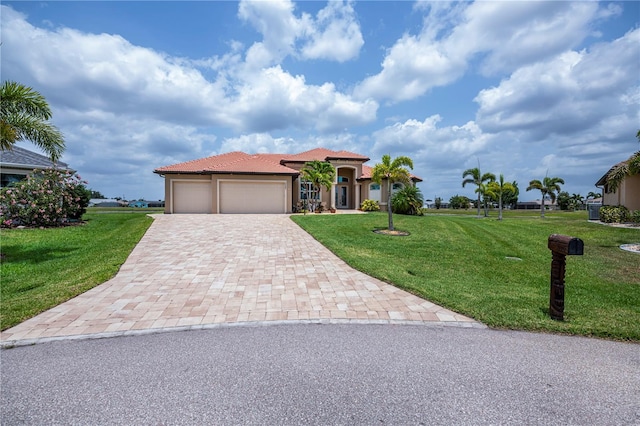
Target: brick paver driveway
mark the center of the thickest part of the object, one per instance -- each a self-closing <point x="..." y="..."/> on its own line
<point x="198" y="270"/>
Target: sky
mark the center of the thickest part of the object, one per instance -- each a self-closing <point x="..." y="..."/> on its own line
<point x="523" y="89"/>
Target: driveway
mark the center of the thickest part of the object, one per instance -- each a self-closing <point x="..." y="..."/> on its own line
<point x="198" y="271"/>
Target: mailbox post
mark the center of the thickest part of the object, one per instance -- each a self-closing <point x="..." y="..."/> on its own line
<point x="560" y="246"/>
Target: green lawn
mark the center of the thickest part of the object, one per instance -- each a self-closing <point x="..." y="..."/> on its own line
<point x="42" y="268"/>
<point x="461" y="262"/>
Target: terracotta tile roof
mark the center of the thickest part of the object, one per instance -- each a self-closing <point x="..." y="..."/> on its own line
<point x="367" y="171"/>
<point x="232" y="162"/>
<point x="240" y="162"/>
<point x="322" y="154"/>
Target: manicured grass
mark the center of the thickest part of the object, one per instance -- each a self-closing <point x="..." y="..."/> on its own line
<point x="461" y="262"/>
<point x="45" y="267"/>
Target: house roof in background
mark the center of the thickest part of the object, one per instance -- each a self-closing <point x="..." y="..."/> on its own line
<point x="23" y="158"/>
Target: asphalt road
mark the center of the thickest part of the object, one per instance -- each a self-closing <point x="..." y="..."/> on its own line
<point x="324" y="374"/>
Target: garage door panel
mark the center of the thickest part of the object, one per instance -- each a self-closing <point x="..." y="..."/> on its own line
<point x="252" y="197"/>
<point x="192" y="197"/>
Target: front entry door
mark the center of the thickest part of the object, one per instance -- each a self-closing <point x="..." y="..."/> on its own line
<point x="342" y="198"/>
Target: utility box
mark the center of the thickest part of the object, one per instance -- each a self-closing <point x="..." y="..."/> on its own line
<point x="594" y="211"/>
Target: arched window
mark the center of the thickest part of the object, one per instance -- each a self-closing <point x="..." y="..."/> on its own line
<point x="342" y="179"/>
<point x="396" y="187"/>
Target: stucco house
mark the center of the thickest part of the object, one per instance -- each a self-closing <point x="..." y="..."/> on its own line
<point x="237" y="182"/>
<point x="627" y="194"/>
<point x="17" y="163"/>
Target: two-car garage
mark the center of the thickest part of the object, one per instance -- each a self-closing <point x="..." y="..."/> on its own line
<point x="228" y="196"/>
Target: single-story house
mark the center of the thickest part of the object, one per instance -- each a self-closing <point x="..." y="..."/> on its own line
<point x="106" y="202"/>
<point x="535" y="205"/>
<point x="627" y="194"/>
<point x="16" y="163"/>
<point x="237" y="182"/>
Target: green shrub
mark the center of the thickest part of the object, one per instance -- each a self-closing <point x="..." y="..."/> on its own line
<point x="408" y="200"/>
<point x="370" y="206"/>
<point x="47" y="198"/>
<point x="635" y="216"/>
<point x="614" y="214"/>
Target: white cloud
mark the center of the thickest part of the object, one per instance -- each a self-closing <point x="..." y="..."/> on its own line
<point x="298" y="104"/>
<point x="336" y="34"/>
<point x="333" y="35"/>
<point x="569" y="93"/>
<point x="455" y="34"/>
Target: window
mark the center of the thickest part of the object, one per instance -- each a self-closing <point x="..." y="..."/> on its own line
<point x="397" y="187"/>
<point x="342" y="179"/>
<point x="374" y="192"/>
<point x="307" y="191"/>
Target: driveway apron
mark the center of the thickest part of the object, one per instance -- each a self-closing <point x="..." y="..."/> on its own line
<point x="196" y="271"/>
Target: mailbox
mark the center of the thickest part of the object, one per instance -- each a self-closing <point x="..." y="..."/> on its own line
<point x="566" y="245"/>
<point x="561" y="246"/>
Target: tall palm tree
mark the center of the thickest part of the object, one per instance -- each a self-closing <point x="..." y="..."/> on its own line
<point x="499" y="189"/>
<point x="320" y="174"/>
<point x="478" y="179"/>
<point x="593" y="195"/>
<point x="392" y="171"/>
<point x="548" y="187"/>
<point x="24" y="115"/>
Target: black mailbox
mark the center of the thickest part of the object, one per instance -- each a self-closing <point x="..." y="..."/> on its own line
<point x="566" y="245"/>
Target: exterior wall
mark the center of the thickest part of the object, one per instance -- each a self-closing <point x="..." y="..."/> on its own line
<point x="628" y="194"/>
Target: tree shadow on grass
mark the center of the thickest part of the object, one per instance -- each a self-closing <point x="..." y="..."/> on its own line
<point x="34" y="255"/>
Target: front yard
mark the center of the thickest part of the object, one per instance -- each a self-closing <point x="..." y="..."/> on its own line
<point x="498" y="272"/>
<point x="42" y="268"/>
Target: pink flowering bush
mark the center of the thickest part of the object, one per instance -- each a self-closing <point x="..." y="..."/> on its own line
<point x="49" y="197"/>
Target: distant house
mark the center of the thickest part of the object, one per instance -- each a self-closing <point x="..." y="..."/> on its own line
<point x="535" y="205"/>
<point x="106" y="202"/>
<point x="627" y="194"/>
<point x="146" y="204"/>
<point x="17" y="163"/>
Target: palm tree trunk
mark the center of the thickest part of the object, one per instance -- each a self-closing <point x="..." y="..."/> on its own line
<point x="542" y="206"/>
<point x="500" y="207"/>
<point x="389" y="209"/>
<point x="478" y="203"/>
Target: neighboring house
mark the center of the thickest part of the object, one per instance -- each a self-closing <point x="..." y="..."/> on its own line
<point x="237" y="182"/>
<point x="533" y="205"/>
<point x="139" y="204"/>
<point x="627" y="194"/>
<point x="105" y="202"/>
<point x="17" y="163"/>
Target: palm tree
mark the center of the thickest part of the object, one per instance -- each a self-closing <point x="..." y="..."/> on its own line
<point x="497" y="190"/>
<point x="408" y="200"/>
<point x="593" y="195"/>
<point x="392" y="171"/>
<point x="548" y="187"/>
<point x="24" y="115"/>
<point x="320" y="174"/>
<point x="478" y="179"/>
<point x="576" y="201"/>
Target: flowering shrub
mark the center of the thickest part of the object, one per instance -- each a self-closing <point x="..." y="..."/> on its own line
<point x="370" y="206"/>
<point x="46" y="198"/>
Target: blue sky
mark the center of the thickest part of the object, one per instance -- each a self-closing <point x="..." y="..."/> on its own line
<point x="522" y="88"/>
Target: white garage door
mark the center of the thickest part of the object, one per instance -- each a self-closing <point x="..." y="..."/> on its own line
<point x="252" y="197"/>
<point x="192" y="197"/>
